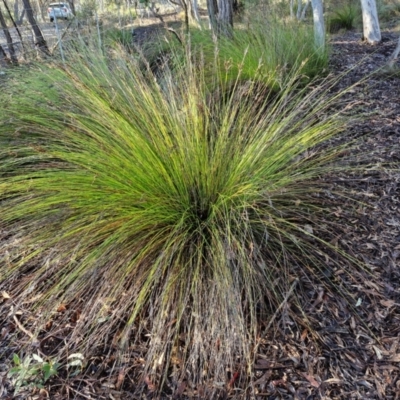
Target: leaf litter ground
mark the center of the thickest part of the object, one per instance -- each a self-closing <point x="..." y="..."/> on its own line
<point x="328" y="355"/>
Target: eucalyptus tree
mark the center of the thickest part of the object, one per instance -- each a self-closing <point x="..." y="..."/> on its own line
<point x="319" y="24"/>
<point x="371" y="29"/>
<point x="220" y="13"/>
<point x="10" y="43"/>
<point x="40" y="41"/>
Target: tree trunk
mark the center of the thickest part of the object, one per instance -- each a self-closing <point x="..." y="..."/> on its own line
<point x="195" y="11"/>
<point x="305" y="8"/>
<point x="72" y="4"/>
<point x="14" y="22"/>
<point x="319" y="25"/>
<point x="3" y="54"/>
<point x="10" y="43"/>
<point x="371" y="29"/>
<point x="220" y="13"/>
<point x="299" y="7"/>
<point x="40" y="42"/>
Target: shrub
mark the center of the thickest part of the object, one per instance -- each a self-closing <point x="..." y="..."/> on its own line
<point x="159" y="215"/>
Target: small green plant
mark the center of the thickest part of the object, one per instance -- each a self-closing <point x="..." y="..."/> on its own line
<point x="31" y="371"/>
<point x="343" y="18"/>
<point x="116" y="36"/>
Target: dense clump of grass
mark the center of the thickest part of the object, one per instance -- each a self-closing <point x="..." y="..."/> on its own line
<point x="266" y="51"/>
<point x="163" y="214"/>
<point x="114" y="37"/>
<point x="344" y="18"/>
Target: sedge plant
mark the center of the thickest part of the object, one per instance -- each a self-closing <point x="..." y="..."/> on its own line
<point x="266" y="50"/>
<point x="169" y="218"/>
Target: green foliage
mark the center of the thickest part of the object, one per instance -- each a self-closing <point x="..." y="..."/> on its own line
<point x="115" y="36"/>
<point x="344" y="18"/>
<point x="31" y="371"/>
<point x="87" y="9"/>
<point x="388" y="10"/>
<point x="267" y="51"/>
<point x="162" y="211"/>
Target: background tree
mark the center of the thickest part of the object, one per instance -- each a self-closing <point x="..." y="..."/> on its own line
<point x="220" y="13"/>
<point x="319" y="24"/>
<point x="18" y="18"/>
<point x="9" y="39"/>
<point x="371" y="29"/>
<point x="40" y="41"/>
<point x="15" y="23"/>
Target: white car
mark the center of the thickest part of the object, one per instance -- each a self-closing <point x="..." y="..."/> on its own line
<point x="59" y="11"/>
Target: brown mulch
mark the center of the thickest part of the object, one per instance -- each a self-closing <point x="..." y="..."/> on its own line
<point x="339" y="356"/>
<point x="330" y="354"/>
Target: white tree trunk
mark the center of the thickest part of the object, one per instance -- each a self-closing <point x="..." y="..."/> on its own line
<point x="319" y="24"/>
<point x="303" y="12"/>
<point x="195" y="9"/>
<point x="371" y="29"/>
<point x="299" y="7"/>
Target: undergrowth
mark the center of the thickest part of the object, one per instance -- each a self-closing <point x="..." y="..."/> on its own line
<point x="267" y="51"/>
<point x="153" y="212"/>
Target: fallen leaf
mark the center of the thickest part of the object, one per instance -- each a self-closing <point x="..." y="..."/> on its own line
<point x="378" y="352"/>
<point x="5" y="295"/>
<point x="388" y="303"/>
<point x="62" y="308"/>
<point x="395" y="358"/>
<point x="150" y="384"/>
<point x="233" y="379"/>
<point x="312" y="380"/>
<point x="308" y="229"/>
<point x="333" y="380"/>
<point x="120" y="379"/>
<point x="303" y="335"/>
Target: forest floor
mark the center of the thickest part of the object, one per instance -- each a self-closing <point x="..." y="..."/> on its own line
<point x="333" y="354"/>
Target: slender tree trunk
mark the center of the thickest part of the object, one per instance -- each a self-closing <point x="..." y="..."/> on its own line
<point x="305" y="8"/>
<point x="299" y="7"/>
<point x="185" y="5"/>
<point x="195" y="10"/>
<point x="225" y="16"/>
<point x="220" y="13"/>
<point x="7" y="34"/>
<point x="371" y="29"/>
<point x="212" y="14"/>
<point x="3" y="54"/>
<point x="72" y="4"/>
<point x="40" y="42"/>
<point x="319" y="24"/>
<point x="13" y="21"/>
<point x="16" y="10"/>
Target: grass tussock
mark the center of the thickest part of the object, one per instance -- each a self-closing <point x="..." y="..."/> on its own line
<point x="158" y="214"/>
<point x="267" y="51"/>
